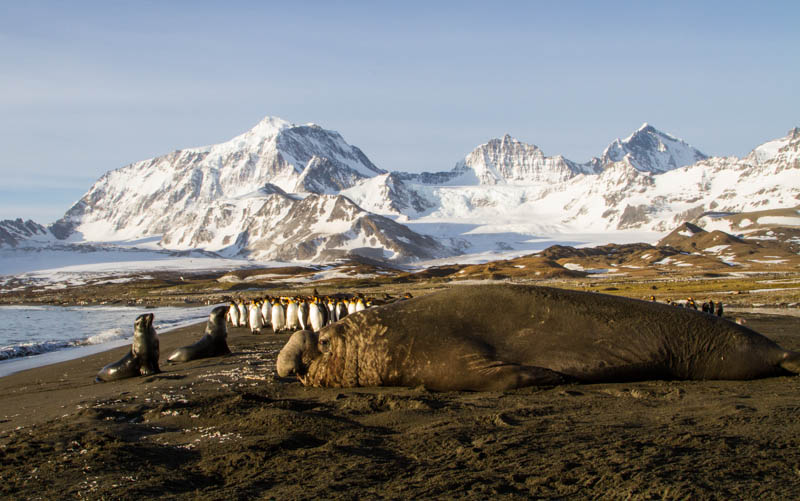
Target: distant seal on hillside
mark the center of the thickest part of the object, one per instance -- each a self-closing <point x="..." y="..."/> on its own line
<point x="500" y="337"/>
<point x="212" y="344"/>
<point x="142" y="359"/>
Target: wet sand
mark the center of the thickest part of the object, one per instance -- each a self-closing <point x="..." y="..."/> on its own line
<point x="228" y="428"/>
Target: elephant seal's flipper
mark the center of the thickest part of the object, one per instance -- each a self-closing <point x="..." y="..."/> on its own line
<point x="500" y="376"/>
<point x="527" y="375"/>
<point x="791" y="362"/>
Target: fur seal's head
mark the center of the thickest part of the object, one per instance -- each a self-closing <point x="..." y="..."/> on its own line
<point x="143" y="323"/>
<point x="217" y="315"/>
<point x="216" y="325"/>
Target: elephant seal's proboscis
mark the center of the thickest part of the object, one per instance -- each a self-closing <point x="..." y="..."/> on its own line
<point x="213" y="343"/>
<point x="142" y="359"/>
<point x="500" y="337"/>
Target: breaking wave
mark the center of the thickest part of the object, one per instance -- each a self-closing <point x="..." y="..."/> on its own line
<point x="104" y="337"/>
<point x="37" y="348"/>
<point x="28" y="349"/>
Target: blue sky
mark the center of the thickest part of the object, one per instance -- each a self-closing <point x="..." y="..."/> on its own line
<point x="87" y="87"/>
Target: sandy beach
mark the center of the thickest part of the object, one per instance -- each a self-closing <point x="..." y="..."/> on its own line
<point x="229" y="428"/>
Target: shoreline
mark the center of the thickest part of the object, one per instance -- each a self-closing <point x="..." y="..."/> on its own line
<point x="14" y="365"/>
<point x="73" y="348"/>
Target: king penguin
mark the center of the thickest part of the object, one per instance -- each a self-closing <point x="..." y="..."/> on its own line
<point x="302" y="313"/>
<point x="341" y="310"/>
<point x="331" y="305"/>
<point x="233" y="314"/>
<point x="323" y="310"/>
<point x="314" y="316"/>
<point x="242" y="313"/>
<point x="266" y="311"/>
<point x="278" y="316"/>
<point x="255" y="318"/>
<point x="292" y="322"/>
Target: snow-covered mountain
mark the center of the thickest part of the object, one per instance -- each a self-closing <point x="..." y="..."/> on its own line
<point x="144" y="198"/>
<point x="273" y="225"/>
<point x="651" y="150"/>
<point x="509" y="161"/>
<point x="650" y="188"/>
<point x="233" y="198"/>
<point x="15" y="231"/>
<point x="301" y="193"/>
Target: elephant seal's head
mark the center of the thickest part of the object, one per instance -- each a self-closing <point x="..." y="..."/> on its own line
<point x="298" y="353"/>
<point x="344" y="354"/>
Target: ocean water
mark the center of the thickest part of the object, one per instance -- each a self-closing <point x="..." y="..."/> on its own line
<point x="33" y="336"/>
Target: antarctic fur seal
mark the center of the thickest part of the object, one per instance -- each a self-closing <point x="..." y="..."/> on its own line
<point x="142" y="359"/>
<point x="212" y="344"/>
<point x="499" y="337"/>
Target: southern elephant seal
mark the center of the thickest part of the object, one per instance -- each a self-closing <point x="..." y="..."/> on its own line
<point x="212" y="344"/>
<point x="499" y="337"/>
<point x="142" y="359"/>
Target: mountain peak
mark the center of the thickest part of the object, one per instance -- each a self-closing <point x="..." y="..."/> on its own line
<point x="773" y="149"/>
<point x="506" y="141"/>
<point x="645" y="130"/>
<point x="266" y="129"/>
<point x="507" y="160"/>
<point x="650" y="150"/>
<point x="269" y="126"/>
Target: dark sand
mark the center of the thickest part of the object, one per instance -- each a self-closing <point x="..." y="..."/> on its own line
<point x="228" y="428"/>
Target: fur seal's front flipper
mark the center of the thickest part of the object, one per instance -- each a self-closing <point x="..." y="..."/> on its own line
<point x="127" y="366"/>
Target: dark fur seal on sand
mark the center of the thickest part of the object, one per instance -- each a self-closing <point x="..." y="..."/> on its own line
<point x="143" y="357"/>
<point x="212" y="344"/>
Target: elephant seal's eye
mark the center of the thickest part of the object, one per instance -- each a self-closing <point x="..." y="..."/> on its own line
<point x="324" y="345"/>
